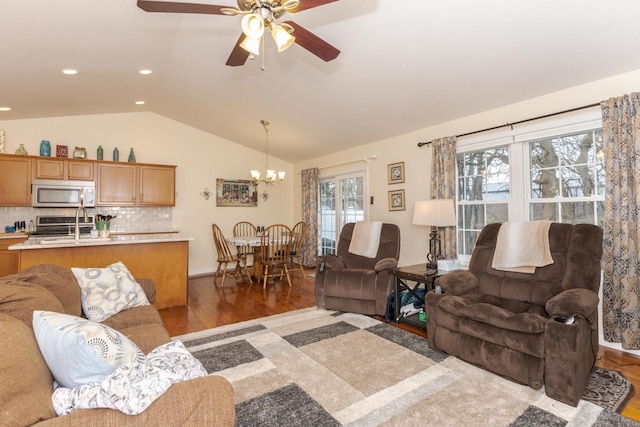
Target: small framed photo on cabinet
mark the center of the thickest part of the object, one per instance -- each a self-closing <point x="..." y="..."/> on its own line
<point x="395" y="173"/>
<point x="396" y="200"/>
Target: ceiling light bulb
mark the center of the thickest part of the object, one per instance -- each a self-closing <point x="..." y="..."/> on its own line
<point x="252" y="26"/>
<point x="282" y="37"/>
<point x="69" y="71"/>
<point x="139" y="102"/>
<point x="145" y="72"/>
<point x="251" y="45"/>
<point x="5" y="108"/>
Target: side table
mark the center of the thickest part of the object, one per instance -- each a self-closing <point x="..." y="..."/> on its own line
<point x="410" y="278"/>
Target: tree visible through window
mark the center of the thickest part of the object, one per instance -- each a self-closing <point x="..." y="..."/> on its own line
<point x="563" y="182"/>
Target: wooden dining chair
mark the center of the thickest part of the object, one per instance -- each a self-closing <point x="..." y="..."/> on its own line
<point x="225" y="256"/>
<point x="299" y="232"/>
<point x="245" y="229"/>
<point x="275" y="247"/>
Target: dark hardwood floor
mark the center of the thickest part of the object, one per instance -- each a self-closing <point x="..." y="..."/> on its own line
<point x="211" y="305"/>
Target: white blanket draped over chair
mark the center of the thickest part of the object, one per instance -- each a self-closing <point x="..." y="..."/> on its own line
<point x="366" y="238"/>
<point x="522" y="246"/>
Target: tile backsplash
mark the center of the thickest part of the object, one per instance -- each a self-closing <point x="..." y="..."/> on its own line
<point x="128" y="219"/>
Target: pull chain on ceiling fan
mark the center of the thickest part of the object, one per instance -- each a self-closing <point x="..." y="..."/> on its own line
<point x="258" y="16"/>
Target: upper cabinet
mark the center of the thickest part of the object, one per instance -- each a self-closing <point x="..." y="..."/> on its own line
<point x="15" y="180"/>
<point x="157" y="185"/>
<point x="130" y="184"/>
<point x="72" y="169"/>
<point x="117" y="183"/>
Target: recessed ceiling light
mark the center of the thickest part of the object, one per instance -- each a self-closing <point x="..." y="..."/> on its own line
<point x="5" y="108"/>
<point x="145" y="72"/>
<point x="139" y="102"/>
<point x="69" y="71"/>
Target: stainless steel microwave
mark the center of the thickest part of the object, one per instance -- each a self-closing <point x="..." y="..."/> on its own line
<point x="49" y="193"/>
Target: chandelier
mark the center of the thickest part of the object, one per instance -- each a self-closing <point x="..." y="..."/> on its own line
<point x="264" y="14"/>
<point x="271" y="176"/>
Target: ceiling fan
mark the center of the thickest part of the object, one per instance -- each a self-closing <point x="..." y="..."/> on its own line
<point x="258" y="16"/>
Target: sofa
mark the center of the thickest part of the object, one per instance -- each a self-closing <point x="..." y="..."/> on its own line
<point x="27" y="383"/>
<point x="354" y="283"/>
<point x="539" y="329"/>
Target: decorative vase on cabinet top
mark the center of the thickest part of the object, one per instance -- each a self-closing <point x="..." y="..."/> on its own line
<point x="21" y="151"/>
<point x="100" y="153"/>
<point x="132" y="157"/>
<point x="116" y="154"/>
<point x="45" y="148"/>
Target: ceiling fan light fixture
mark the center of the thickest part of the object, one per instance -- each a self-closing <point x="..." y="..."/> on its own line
<point x="282" y="37"/>
<point x="251" y="45"/>
<point x="252" y="25"/>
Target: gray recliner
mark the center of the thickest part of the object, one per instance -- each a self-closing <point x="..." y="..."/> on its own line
<point x="511" y="323"/>
<point x="357" y="284"/>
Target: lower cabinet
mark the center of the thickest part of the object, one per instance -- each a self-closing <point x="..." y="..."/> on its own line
<point x="9" y="260"/>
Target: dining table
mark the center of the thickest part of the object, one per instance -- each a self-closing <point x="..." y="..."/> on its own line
<point x="256" y="243"/>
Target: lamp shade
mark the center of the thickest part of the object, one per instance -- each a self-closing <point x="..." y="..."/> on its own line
<point x="251" y="45"/>
<point x="282" y="37"/>
<point x="252" y="26"/>
<point x="435" y="212"/>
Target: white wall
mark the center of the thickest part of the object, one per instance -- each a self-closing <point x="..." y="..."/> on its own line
<point x="200" y="157"/>
<point x="418" y="160"/>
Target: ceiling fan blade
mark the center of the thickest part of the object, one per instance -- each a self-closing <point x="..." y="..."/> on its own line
<point x="308" y="4"/>
<point x="238" y="55"/>
<point x="313" y="43"/>
<point x="173" y="7"/>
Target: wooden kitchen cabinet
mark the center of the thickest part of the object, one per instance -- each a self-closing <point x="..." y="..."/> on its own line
<point x="15" y="180"/>
<point x="116" y="184"/>
<point x="157" y="185"/>
<point x="126" y="184"/>
<point x="52" y="168"/>
<point x="10" y="260"/>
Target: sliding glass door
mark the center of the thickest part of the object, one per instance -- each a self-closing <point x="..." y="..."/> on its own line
<point x="342" y="200"/>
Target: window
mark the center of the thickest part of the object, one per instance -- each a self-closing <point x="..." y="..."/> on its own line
<point x="483" y="192"/>
<point x="342" y="200"/>
<point x="567" y="178"/>
<point x="552" y="171"/>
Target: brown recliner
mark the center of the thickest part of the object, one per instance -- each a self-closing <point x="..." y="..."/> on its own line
<point x="356" y="284"/>
<point x="511" y="323"/>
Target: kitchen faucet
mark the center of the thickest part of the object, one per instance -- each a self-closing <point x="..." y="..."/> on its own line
<point x="76" y="235"/>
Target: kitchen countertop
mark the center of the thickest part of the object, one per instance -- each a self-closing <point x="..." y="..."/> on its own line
<point x="13" y="235"/>
<point x="68" y="241"/>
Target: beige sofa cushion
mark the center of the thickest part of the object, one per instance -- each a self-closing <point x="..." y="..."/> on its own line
<point x="56" y="279"/>
<point x="27" y="384"/>
<point x="20" y="299"/>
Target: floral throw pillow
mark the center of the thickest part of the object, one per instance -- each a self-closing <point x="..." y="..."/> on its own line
<point x="108" y="291"/>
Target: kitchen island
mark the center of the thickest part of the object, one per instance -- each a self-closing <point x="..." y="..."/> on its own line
<point x="164" y="258"/>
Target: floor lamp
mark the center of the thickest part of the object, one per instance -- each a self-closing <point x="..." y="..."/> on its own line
<point x="436" y="213"/>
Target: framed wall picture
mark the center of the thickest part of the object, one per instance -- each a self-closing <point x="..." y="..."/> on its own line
<point x="396" y="200"/>
<point x="395" y="173"/>
<point x="236" y="193"/>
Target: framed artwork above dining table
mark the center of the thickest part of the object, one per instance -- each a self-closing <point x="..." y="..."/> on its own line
<point x="236" y="193"/>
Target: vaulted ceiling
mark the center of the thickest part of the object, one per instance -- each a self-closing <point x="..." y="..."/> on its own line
<point x="404" y="65"/>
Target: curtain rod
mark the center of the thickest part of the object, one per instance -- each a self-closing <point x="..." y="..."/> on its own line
<point x="420" y="144"/>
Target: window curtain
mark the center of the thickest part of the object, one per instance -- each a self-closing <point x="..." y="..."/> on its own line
<point x="310" y="215"/>
<point x="621" y="283"/>
<point x="443" y="186"/>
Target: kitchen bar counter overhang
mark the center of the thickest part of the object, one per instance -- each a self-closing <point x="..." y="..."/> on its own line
<point x="164" y="258"/>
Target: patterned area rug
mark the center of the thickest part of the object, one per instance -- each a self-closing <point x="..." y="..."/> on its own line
<point x="316" y="367"/>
